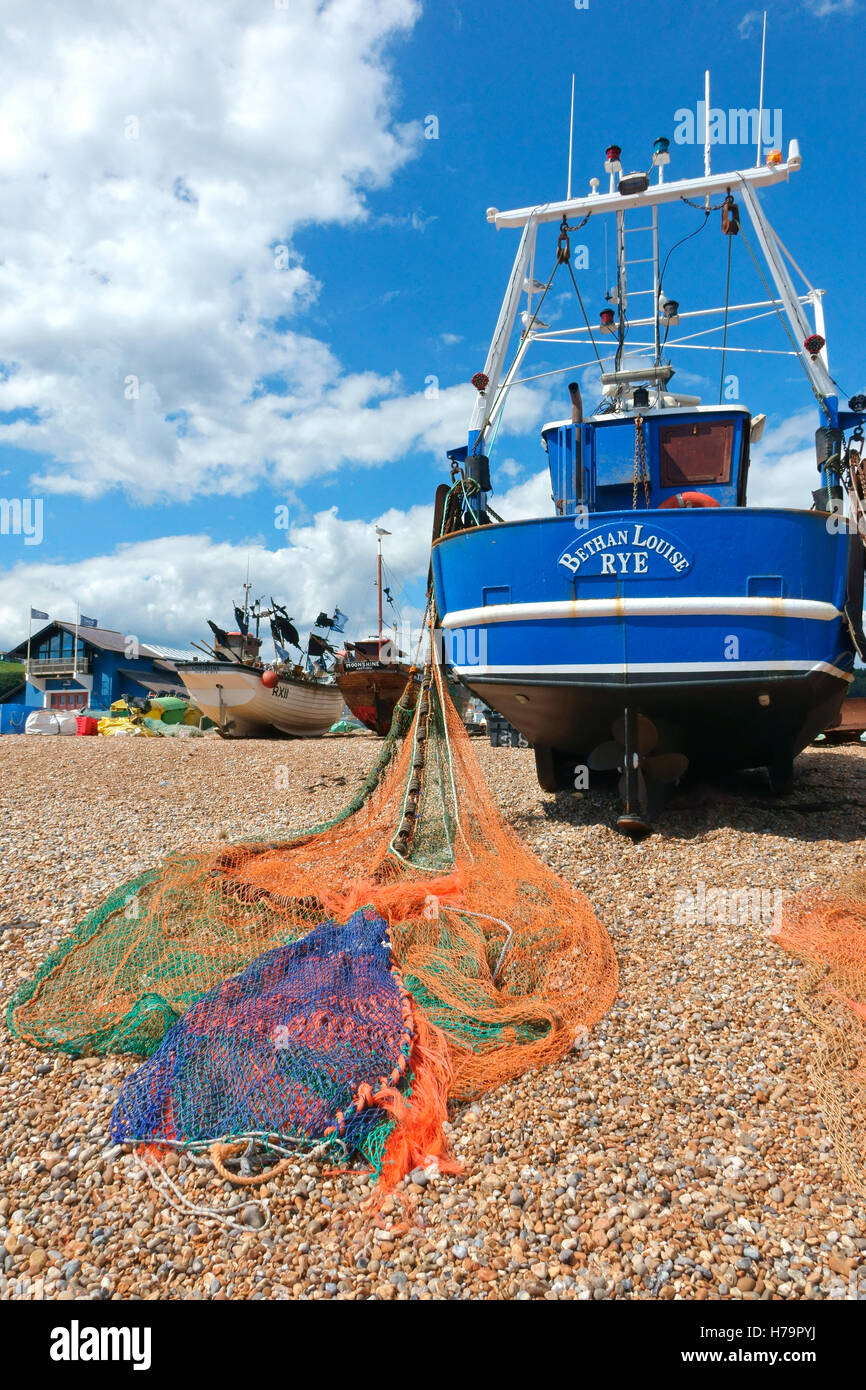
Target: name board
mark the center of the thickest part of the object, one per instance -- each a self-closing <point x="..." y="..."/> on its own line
<point x="634" y="551"/>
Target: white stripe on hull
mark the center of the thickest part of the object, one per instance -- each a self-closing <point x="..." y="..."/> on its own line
<point x="652" y="668"/>
<point x="293" y="707"/>
<point x="630" y="607"/>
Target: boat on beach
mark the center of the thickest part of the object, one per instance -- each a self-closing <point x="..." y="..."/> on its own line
<point x="371" y="678"/>
<point x="372" y="674"/>
<point x="656" y="620"/>
<point x="236" y="698"/>
<point x="247" y="699"/>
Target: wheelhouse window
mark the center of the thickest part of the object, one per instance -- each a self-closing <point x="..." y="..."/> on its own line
<point x="699" y="452"/>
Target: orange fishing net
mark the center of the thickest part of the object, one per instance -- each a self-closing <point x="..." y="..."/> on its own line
<point x="505" y="964"/>
<point x="829" y="933"/>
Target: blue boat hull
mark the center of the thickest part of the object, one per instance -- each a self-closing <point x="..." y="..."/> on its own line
<point x="725" y="626"/>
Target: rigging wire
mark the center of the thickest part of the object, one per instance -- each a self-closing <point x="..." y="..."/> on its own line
<point x="505" y="385"/>
<point x="583" y="311"/>
<point x="819" y="398"/>
<point x="706" y="212"/>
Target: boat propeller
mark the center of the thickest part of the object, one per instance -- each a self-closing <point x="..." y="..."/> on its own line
<point x="631" y="751"/>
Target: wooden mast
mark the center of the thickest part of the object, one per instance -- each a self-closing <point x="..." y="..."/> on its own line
<point x="379" y="585"/>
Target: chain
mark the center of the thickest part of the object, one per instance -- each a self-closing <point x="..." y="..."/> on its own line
<point x="701" y="207"/>
<point x="856" y="471"/>
<point x="640" y="471"/>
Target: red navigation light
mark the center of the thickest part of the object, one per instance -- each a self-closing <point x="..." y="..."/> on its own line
<point x="480" y="381"/>
<point x="612" y="152"/>
<point x="813" y="345"/>
<point x="606" y="318"/>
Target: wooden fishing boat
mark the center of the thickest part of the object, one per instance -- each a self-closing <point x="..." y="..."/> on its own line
<point x="247" y="699"/>
<point x="239" y="702"/>
<point x="370" y="685"/>
<point x="372" y="674"/>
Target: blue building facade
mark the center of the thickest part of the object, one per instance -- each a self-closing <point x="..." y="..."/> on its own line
<point x="92" y="668"/>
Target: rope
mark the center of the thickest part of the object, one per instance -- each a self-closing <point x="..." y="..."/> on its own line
<point x="465" y="912"/>
<point x="439" y="677"/>
<point x="220" y="1151"/>
<point x="185" y="1206"/>
<point x="563" y="257"/>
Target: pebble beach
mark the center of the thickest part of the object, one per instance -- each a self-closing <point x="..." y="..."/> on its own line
<point x="679" y="1152"/>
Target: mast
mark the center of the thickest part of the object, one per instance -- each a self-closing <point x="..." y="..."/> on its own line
<point x="505" y="323"/>
<point x="379" y="587"/>
<point x="761" y="94"/>
<point x="380" y="532"/>
<point x="570" y="137"/>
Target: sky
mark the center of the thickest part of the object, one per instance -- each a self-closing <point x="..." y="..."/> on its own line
<point x="246" y="275"/>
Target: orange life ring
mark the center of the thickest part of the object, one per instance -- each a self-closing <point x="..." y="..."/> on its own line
<point x="690" y="499"/>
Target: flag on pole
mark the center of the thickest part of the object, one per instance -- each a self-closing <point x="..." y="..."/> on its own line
<point x="281" y="652"/>
<point x="88" y="622"/>
<point x="37" y="613"/>
<point x="339" y="621"/>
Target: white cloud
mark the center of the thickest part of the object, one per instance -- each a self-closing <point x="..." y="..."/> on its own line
<point x="783" y="470"/>
<point x="509" y="468"/>
<point x="165" y="590"/>
<point x="451" y="339"/>
<point x="142" y="277"/>
<point x="749" y="22"/>
<point x="527" y="499"/>
<point x="823" y="9"/>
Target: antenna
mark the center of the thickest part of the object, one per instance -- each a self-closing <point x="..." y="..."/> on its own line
<point x="761" y="96"/>
<point x="570" y="138"/>
<point x="707" y="123"/>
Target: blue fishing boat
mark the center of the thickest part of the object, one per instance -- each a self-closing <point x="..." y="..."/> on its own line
<point x="655" y="620"/>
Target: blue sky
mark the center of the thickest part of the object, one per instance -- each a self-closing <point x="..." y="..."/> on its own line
<point x="152" y="258"/>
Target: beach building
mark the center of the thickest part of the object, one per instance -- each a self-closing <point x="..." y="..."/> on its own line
<point x="71" y="666"/>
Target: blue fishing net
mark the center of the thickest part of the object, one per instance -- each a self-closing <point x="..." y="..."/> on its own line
<point x="289" y="1048"/>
